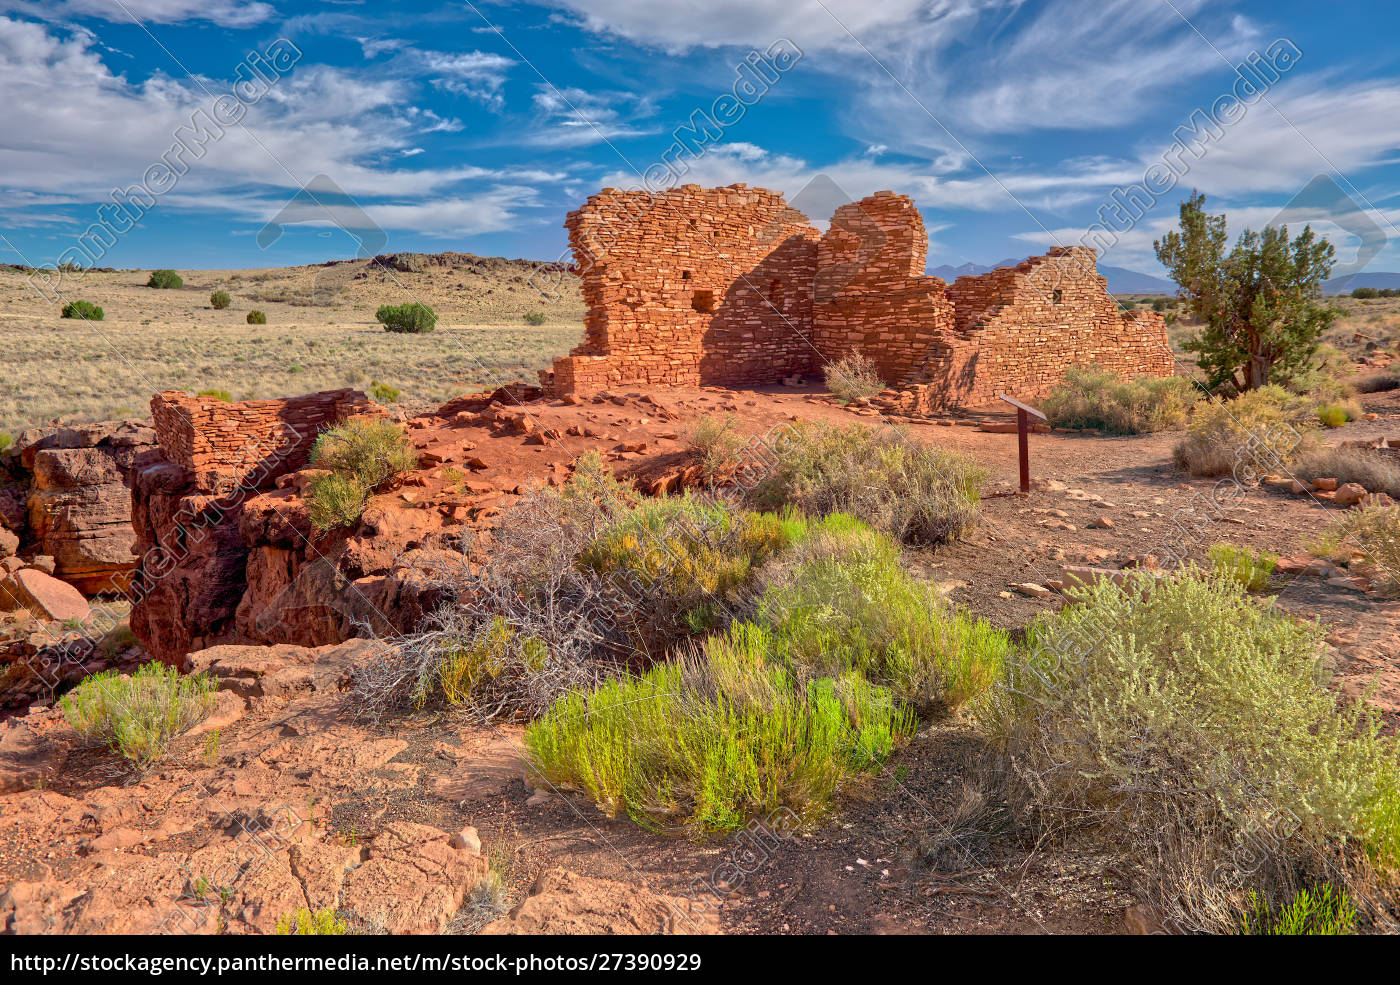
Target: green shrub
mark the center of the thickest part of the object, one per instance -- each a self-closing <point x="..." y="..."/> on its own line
<point x="710" y="742"/>
<point x="852" y="377"/>
<point x="917" y="493"/>
<point x="256" y="317"/>
<point x="534" y="318"/>
<point x="223" y="395"/>
<point x="1368" y="469"/>
<point x="413" y="317"/>
<point x="1322" y="912"/>
<point x="336" y="500"/>
<point x="1243" y="566"/>
<point x="1188" y="723"/>
<point x="85" y="310"/>
<point x="383" y="393"/>
<point x="369" y="450"/>
<point x="220" y="300"/>
<point x="717" y="444"/>
<point x="165" y="279"/>
<point x="841" y="603"/>
<point x="1371" y="531"/>
<point x="1255" y="432"/>
<point x="1332" y="415"/>
<point x="1094" y="398"/>
<point x="304" y="922"/>
<point x="1327" y="377"/>
<point x="7" y="440"/>
<point x="137" y="716"/>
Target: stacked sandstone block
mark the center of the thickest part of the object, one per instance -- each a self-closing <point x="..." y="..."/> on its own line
<point x="247" y="443"/>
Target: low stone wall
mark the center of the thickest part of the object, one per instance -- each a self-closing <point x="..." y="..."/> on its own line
<point x="246" y="443"/>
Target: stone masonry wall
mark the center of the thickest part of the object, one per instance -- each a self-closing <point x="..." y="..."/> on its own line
<point x="246" y="443"/>
<point x="731" y="286"/>
<point x="692" y="285"/>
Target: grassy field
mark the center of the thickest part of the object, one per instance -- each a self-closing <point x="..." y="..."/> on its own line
<point x="320" y="333"/>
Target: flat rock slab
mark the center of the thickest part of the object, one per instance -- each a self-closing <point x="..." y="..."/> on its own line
<point x="43" y="595"/>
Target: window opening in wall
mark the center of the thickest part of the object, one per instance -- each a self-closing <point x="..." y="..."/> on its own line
<point x="1057" y="296"/>
<point x="703" y="301"/>
<point x="685" y="275"/>
<point x="775" y="294"/>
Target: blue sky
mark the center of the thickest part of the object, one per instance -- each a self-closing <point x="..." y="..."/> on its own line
<point x="477" y="127"/>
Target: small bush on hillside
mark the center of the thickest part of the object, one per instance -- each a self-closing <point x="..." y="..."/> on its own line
<point x="335" y="500"/>
<point x="7" y="440"/>
<point x="1368" y="469"/>
<point x="1188" y="724"/>
<point x="1246" y="568"/>
<point x="165" y="279"/>
<point x="223" y="395"/>
<point x="256" y="317"/>
<point x="304" y="922"/>
<point x="1247" y="436"/>
<point x="137" y="716"/>
<point x="707" y="743"/>
<point x="85" y="310"/>
<point x="369" y="450"/>
<point x="383" y="393"/>
<point x="414" y="317"/>
<point x="220" y="300"/>
<point x="915" y="492"/>
<point x="534" y="318"/>
<point x="852" y="377"/>
<point x="1373" y="532"/>
<point x="1094" y="398"/>
<point x="1320" y="912"/>
<point x="717" y="443"/>
<point x="841" y="603"/>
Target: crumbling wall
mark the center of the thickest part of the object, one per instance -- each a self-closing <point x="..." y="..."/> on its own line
<point x="731" y="286"/>
<point x="692" y="285"/>
<point x="246" y="443"/>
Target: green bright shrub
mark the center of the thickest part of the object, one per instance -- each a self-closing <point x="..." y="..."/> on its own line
<point x="223" y="395"/>
<point x="1322" y="912"/>
<point x="256" y="317"/>
<point x="1254" y="431"/>
<point x="165" y="279"/>
<point x="841" y="603"/>
<point x="534" y="318"/>
<point x="414" y="317"/>
<point x="1191" y="727"/>
<point x="1248" y="569"/>
<point x="137" y="716"/>
<point x="705" y="744"/>
<point x="383" y="393"/>
<point x="917" y="493"/>
<point x="1095" y="398"/>
<point x="1334" y="415"/>
<point x="220" y="300"/>
<point x="305" y="922"/>
<point x="363" y="455"/>
<point x="85" y="310"/>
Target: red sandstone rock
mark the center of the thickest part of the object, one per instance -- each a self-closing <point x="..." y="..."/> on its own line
<point x="43" y="595"/>
<point x="562" y="902"/>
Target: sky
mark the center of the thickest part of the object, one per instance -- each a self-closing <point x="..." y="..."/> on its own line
<point x="222" y="134"/>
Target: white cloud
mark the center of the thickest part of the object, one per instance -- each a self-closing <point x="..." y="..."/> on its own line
<point x="573" y="117"/>
<point x="478" y="74"/>
<point x="225" y="13"/>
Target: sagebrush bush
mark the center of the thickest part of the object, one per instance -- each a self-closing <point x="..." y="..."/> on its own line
<point x="1251" y="434"/>
<point x="717" y="444"/>
<point x="1095" y="398"/>
<point x="534" y="318"/>
<point x="840" y="602"/>
<point x="165" y="279"/>
<point x="1247" y="568"/>
<point x="1191" y="727"/>
<point x="85" y="310"/>
<point x="1366" y="468"/>
<point x="334" y="500"/>
<point x="852" y="377"/>
<point x="223" y="395"/>
<point x="370" y="450"/>
<point x="1378" y="383"/>
<point x="137" y="716"/>
<point x="304" y="922"/>
<point x="383" y="393"/>
<point x="1334" y="415"/>
<point x="1372" y="532"/>
<point x="915" y="492"/>
<point x="707" y="743"/>
<point x="220" y="300"/>
<point x="256" y="317"/>
<point x="414" y="317"/>
<point x="1329" y="375"/>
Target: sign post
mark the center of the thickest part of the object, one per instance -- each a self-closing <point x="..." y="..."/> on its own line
<point x="1023" y="430"/>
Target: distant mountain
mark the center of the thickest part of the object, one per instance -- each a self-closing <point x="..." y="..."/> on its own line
<point x="1345" y="285"/>
<point x="1120" y="280"/>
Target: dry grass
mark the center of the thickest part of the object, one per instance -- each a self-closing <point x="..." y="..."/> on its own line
<point x="1366" y="468"/>
<point x="174" y="339"/>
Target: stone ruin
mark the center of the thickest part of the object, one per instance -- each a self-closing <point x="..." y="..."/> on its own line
<point x="731" y="286"/>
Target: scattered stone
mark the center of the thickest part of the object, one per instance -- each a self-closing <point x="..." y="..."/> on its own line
<point x="1031" y="590"/>
<point x="1101" y="523"/>
<point x="1349" y="494"/>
